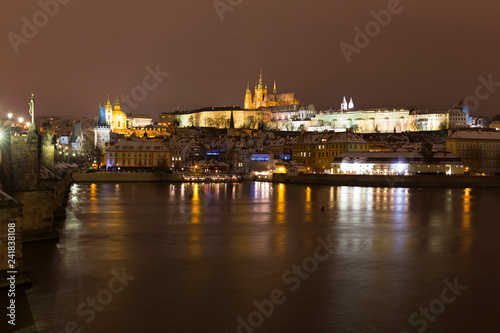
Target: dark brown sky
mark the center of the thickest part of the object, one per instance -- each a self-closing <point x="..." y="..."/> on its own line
<point x="429" y="56"/>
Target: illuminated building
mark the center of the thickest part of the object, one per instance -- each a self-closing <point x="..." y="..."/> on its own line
<point x="387" y="120"/>
<point x="102" y="130"/>
<point x="495" y="125"/>
<point x="137" y="154"/>
<point x="479" y="149"/>
<point x="318" y="150"/>
<point x="262" y="99"/>
<point x="397" y="163"/>
<point x="140" y="121"/>
<point x="118" y="118"/>
<point x="344" y="106"/>
<point x="217" y="117"/>
<point x="115" y="118"/>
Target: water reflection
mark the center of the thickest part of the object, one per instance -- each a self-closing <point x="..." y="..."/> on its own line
<point x="363" y="219"/>
<point x="195" y="205"/>
<point x="280" y="204"/>
<point x="468" y="236"/>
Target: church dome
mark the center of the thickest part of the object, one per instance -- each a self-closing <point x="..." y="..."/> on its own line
<point x="119" y="117"/>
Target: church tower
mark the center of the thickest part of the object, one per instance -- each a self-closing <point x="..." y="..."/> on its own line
<point x="260" y="92"/>
<point x="109" y="112"/>
<point x="344" y="105"/>
<point x="248" y="98"/>
<point x="102" y="130"/>
<point x="119" y="118"/>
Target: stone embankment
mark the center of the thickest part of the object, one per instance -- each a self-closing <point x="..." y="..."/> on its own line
<point x="124" y="177"/>
<point x="390" y="181"/>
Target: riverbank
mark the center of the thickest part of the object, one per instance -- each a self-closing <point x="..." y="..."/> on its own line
<point x="390" y="181"/>
<point x="139" y="177"/>
<point x="310" y="179"/>
<point x="125" y="177"/>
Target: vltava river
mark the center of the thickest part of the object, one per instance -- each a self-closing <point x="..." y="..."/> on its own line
<point x="262" y="257"/>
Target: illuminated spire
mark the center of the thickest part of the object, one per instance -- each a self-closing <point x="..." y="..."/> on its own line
<point x="117" y="105"/>
<point x="248" y="98"/>
<point x="343" y="106"/>
<point x="261" y="81"/>
<point x="275" y="91"/>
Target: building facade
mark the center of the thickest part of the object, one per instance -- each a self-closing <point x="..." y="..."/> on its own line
<point x="137" y="155"/>
<point x="479" y="149"/>
<point x="389" y="120"/>
<point x="102" y="130"/>
<point x="217" y="117"/>
<point x="317" y="151"/>
<point x="402" y="162"/>
<point x="261" y="98"/>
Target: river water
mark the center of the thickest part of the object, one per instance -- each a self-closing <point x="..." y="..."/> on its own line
<point x="263" y="257"/>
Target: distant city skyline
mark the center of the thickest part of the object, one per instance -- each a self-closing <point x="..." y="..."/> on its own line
<point x="416" y="56"/>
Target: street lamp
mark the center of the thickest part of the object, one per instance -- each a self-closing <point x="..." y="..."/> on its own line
<point x="21" y="119"/>
<point x="28" y="124"/>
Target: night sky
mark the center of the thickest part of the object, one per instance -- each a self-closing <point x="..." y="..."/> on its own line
<point x="429" y="56"/>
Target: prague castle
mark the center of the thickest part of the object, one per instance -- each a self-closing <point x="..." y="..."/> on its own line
<point x="262" y="99"/>
<point x="285" y="112"/>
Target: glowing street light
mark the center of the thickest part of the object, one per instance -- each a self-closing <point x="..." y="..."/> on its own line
<point x="28" y="123"/>
<point x="21" y="119"/>
<point x="9" y="115"/>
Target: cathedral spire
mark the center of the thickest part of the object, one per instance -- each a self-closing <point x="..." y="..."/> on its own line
<point x="261" y="81"/>
<point x="248" y="97"/>
<point x="275" y="91"/>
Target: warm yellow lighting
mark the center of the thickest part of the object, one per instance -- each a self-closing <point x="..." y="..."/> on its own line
<point x="9" y="115"/>
<point x="281" y="169"/>
<point x="21" y="119"/>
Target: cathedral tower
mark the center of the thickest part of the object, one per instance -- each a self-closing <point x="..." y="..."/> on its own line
<point x="109" y="112"/>
<point x="260" y="92"/>
<point x="248" y="98"/>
